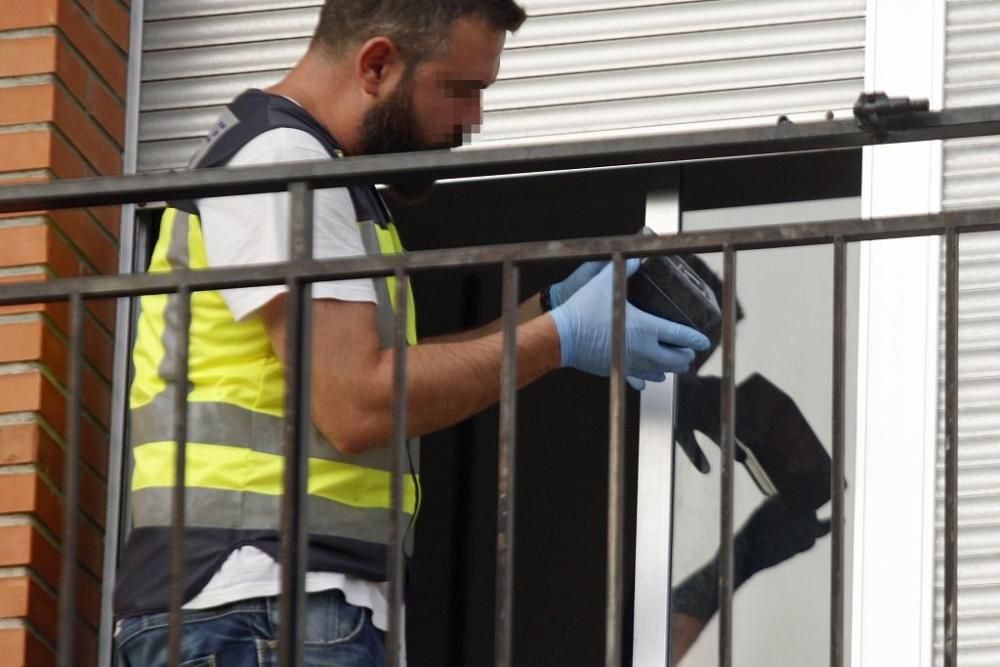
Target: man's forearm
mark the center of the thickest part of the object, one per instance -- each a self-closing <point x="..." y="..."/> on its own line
<point x="686" y="630"/>
<point x="527" y="311"/>
<point x="447" y="383"/>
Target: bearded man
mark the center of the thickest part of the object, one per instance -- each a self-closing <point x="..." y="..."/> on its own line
<point x="380" y="76"/>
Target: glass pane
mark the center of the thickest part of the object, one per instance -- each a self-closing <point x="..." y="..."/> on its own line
<point x="781" y="484"/>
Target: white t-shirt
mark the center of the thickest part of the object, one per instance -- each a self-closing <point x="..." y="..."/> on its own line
<point x="254" y="229"/>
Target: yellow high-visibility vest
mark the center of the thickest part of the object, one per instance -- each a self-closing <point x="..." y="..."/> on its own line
<point x="236" y="397"/>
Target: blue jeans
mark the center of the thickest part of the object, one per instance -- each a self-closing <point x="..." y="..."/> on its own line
<point x="244" y="634"/>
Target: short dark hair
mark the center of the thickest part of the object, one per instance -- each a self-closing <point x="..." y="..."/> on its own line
<point x="419" y="28"/>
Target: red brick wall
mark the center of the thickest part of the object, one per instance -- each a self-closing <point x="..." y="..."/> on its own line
<point x="62" y="90"/>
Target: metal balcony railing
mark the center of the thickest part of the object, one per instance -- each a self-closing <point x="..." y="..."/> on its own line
<point x="301" y="271"/>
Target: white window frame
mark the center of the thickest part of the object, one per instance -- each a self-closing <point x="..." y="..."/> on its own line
<point x="892" y="545"/>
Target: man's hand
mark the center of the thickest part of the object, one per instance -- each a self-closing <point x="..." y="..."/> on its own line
<point x="559" y="293"/>
<point x="653" y="346"/>
<point x="773" y="534"/>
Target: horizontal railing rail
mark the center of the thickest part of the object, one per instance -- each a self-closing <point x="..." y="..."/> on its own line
<point x="709" y="144"/>
<point x="744" y="238"/>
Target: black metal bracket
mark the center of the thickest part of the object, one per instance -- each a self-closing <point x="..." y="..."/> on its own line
<point x="873" y="111"/>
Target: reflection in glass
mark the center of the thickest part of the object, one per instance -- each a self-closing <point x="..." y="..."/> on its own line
<point x="787" y="480"/>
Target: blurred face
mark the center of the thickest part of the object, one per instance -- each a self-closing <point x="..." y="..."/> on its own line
<point x="437" y="104"/>
<point x="448" y="91"/>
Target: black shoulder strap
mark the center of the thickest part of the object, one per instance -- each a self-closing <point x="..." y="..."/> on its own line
<point x="255" y="112"/>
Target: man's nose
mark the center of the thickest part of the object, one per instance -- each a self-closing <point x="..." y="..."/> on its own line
<point x="472" y="112"/>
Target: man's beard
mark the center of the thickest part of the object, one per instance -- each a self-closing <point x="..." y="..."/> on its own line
<point x="392" y="127"/>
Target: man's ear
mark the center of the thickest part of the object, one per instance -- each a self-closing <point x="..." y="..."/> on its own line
<point x="378" y="64"/>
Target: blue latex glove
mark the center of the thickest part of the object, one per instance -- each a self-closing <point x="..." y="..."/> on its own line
<point x="559" y="293"/>
<point x="653" y="346"/>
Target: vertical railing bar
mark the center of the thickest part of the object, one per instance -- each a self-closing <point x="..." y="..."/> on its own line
<point x="728" y="415"/>
<point x="837" y="479"/>
<point x="951" y="451"/>
<point x="397" y="572"/>
<point x="178" y="498"/>
<point x="616" y="471"/>
<point x="506" y="469"/>
<point x="298" y="425"/>
<point x="71" y="489"/>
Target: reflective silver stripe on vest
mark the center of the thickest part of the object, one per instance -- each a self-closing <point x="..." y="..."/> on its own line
<point x="212" y="508"/>
<point x="228" y="424"/>
<point x="386" y="315"/>
<point x="179" y="258"/>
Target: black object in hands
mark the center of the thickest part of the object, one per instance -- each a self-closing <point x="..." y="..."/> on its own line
<point x="774" y="440"/>
<point x="774" y="533"/>
<point x="669" y="288"/>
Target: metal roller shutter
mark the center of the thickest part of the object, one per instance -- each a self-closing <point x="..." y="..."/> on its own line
<point x="577" y="67"/>
<point x="971" y="179"/>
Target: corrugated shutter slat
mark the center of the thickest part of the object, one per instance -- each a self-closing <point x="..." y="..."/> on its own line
<point x="578" y="68"/>
<point x="972" y="179"/>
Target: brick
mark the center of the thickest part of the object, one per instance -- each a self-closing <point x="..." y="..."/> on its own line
<point x="96" y="394"/>
<point x="34" y="341"/>
<point x="29" y="443"/>
<point x="24" y="246"/>
<point x="94" y="95"/>
<point x="21" y="392"/>
<point x="107" y="109"/>
<point x="24" y="546"/>
<point x="98" y="346"/>
<point x="35" y="176"/>
<point x="82" y="230"/>
<point x="93" y="440"/>
<point x="51" y="461"/>
<point x="45" y="103"/>
<point x="26" y="599"/>
<point x="22" y="341"/>
<point x="62" y="261"/>
<point x="110" y="218"/>
<point x="19" y="14"/>
<point x="19" y="647"/>
<point x="39" y="395"/>
<point x="27" y="56"/>
<point x="114" y="20"/>
<point x="14" y="647"/>
<point x="21" y="151"/>
<point x="40" y="149"/>
<point x="20" y="597"/>
<point x="27" y="104"/>
<point x="14" y="598"/>
<point x="97" y="342"/>
<point x="99" y="50"/>
<point x="99" y="349"/>
<point x="71" y="70"/>
<point x="97" y="148"/>
<point x="65" y="162"/>
<point x="32" y="392"/>
<point x="26" y="493"/>
<point x="19" y="443"/>
<point x="54" y="352"/>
